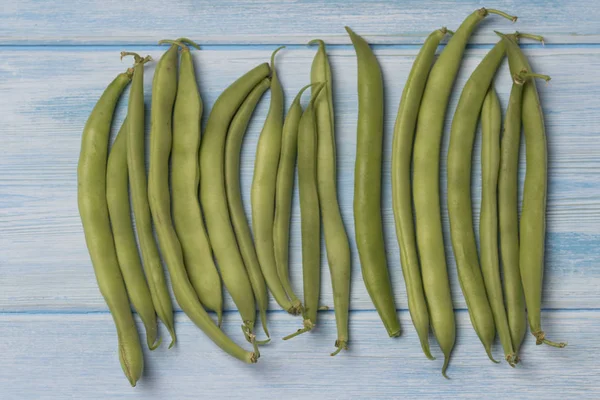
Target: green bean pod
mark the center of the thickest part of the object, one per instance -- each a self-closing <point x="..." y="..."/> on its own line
<point x="367" y="185"/>
<point x="491" y="121"/>
<point x="185" y="175"/>
<point x="93" y="209"/>
<point x="233" y="146"/>
<point x="533" y="213"/>
<point x="508" y="215"/>
<point x="336" y="239"/>
<point x="163" y="97"/>
<point x="164" y="87"/>
<point x="213" y="196"/>
<point x="283" y="192"/>
<point x="310" y="215"/>
<point x="484" y="316"/>
<point x="117" y="198"/>
<point x="139" y="198"/>
<point x="404" y="134"/>
<point x="262" y="195"/>
<point x="426" y="178"/>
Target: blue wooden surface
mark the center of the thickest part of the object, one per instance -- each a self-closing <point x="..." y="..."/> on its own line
<point x="57" y="337"/>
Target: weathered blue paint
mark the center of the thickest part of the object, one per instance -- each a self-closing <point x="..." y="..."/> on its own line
<point x="58" y="341"/>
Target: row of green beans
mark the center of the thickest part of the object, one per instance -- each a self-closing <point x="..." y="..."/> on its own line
<point x="197" y="210"/>
<point x="204" y="235"/>
<point x="417" y="138"/>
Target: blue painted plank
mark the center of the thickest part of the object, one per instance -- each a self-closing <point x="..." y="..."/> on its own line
<point x="66" y="356"/>
<point x="267" y="21"/>
<point x="49" y="93"/>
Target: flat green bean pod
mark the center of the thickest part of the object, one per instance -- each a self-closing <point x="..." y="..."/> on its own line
<point x="136" y="166"/>
<point x="508" y="215"/>
<point x="262" y="196"/>
<point x="93" y="209"/>
<point x="491" y="121"/>
<point x="310" y="215"/>
<point x="336" y="238"/>
<point x="367" y="185"/>
<point x="283" y="193"/>
<point x="233" y="146"/>
<point x="402" y="146"/>
<point x="485" y="319"/>
<point x="117" y="198"/>
<point x="185" y="176"/>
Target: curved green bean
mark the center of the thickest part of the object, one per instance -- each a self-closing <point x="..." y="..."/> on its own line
<point x="426" y="177"/>
<point x="93" y="209"/>
<point x="163" y="97"/>
<point x="367" y="185"/>
<point x="187" y="215"/>
<point x="283" y="193"/>
<point x="262" y="195"/>
<point x="213" y="196"/>
<point x="484" y="317"/>
<point x="336" y="239"/>
<point x="310" y="215"/>
<point x="139" y="198"/>
<point x="233" y="145"/>
<point x="533" y="214"/>
<point x="491" y="120"/>
<point x="509" y="217"/>
<point x="117" y="198"/>
<point x="402" y="146"/>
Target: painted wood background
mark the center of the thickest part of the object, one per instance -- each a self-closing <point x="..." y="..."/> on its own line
<point x="57" y="338"/>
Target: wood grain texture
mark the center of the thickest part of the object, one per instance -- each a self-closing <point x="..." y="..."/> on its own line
<point x="74" y="356"/>
<point x="58" y="340"/>
<point x="41" y="139"/>
<point x="287" y="21"/>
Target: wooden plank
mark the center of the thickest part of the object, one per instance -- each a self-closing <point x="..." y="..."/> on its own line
<point x="47" y="95"/>
<point x="65" y="356"/>
<point x="267" y="21"/>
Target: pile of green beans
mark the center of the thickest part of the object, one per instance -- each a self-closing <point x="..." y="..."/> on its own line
<point x="192" y="197"/>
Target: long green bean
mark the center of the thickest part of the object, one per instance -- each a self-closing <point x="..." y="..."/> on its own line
<point x="91" y="198"/>
<point x="402" y="146"/>
<point x="233" y="145"/>
<point x="185" y="175"/>
<point x="336" y="238"/>
<point x="117" y="198"/>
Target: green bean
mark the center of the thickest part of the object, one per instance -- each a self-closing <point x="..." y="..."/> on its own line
<point x="283" y="193"/>
<point x="310" y="218"/>
<point x="213" y="196"/>
<point x="491" y="120"/>
<point x="508" y="214"/>
<point x="93" y="209"/>
<point x="473" y="283"/>
<point x="509" y="218"/>
<point x="117" y="197"/>
<point x="367" y="185"/>
<point x="139" y="195"/>
<point x="187" y="215"/>
<point x="404" y="134"/>
<point x="426" y="177"/>
<point x="533" y="218"/>
<point x="163" y="97"/>
<point x="233" y="145"/>
<point x="262" y="194"/>
<point x="508" y="211"/>
<point x="336" y="238"/>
